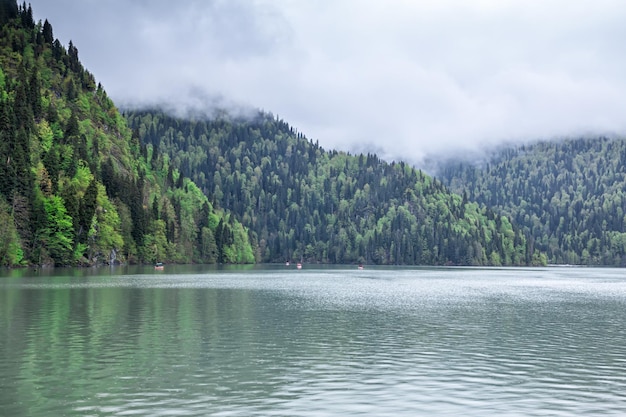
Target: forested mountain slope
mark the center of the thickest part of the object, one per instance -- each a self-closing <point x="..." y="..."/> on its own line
<point x="76" y="187"/>
<point x="569" y="195"/>
<point x="302" y="202"/>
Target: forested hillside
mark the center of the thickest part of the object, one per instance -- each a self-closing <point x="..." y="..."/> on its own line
<point x="570" y="196"/>
<point x="76" y="187"/>
<point x="302" y="202"/>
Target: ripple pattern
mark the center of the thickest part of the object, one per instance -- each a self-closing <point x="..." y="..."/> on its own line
<point x="425" y="342"/>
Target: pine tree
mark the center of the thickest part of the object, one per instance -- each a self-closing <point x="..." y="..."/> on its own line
<point x="7" y="141"/>
<point x="71" y="129"/>
<point x="34" y="94"/>
<point x="48" y="37"/>
<point x="8" y="10"/>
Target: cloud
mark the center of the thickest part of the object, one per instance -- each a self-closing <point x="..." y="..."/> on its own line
<point x="401" y="77"/>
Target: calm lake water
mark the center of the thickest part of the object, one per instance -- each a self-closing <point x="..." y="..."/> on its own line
<point x="195" y="341"/>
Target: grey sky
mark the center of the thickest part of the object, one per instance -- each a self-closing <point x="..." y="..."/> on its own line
<point x="405" y="78"/>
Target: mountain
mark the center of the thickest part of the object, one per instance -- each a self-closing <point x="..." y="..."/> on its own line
<point x="76" y="186"/>
<point x="81" y="185"/>
<point x="568" y="196"/>
<point x="300" y="201"/>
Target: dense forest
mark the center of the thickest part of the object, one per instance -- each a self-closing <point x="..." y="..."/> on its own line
<point x="569" y="196"/>
<point x="76" y="186"/>
<point x="80" y="184"/>
<point x="301" y="202"/>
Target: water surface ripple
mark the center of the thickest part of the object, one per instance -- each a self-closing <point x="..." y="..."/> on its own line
<point x="326" y="342"/>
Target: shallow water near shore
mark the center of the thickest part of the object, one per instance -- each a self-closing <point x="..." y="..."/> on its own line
<point x="333" y="341"/>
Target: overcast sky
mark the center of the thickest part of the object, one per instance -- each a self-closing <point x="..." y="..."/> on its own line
<point x="404" y="78"/>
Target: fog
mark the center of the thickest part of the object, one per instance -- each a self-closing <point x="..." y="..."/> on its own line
<point x="405" y="79"/>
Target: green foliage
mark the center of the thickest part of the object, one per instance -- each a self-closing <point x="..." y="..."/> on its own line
<point x="299" y="201"/>
<point x="57" y="235"/>
<point x="568" y="196"/>
<point x="75" y="182"/>
<point x="11" y="253"/>
<point x="46" y="136"/>
<point x="105" y="233"/>
<point x="81" y="187"/>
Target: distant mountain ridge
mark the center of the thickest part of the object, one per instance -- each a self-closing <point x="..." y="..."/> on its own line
<point x="569" y="196"/>
<point x="82" y="185"/>
<point x="300" y="201"/>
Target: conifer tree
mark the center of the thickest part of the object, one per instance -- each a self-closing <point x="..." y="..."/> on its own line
<point x="8" y="10"/>
<point x="7" y="141"/>
<point x="34" y="94"/>
<point x="48" y="36"/>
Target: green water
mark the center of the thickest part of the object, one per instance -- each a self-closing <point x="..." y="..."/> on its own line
<point x="316" y="342"/>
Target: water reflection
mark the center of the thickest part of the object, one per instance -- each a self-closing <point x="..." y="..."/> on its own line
<point x="326" y="342"/>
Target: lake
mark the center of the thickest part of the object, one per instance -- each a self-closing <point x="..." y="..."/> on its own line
<point x="276" y="341"/>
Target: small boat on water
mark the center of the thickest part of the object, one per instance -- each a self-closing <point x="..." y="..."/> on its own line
<point x="158" y="266"/>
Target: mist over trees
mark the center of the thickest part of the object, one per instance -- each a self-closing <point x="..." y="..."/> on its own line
<point x="301" y="202"/>
<point x="76" y="186"/>
<point x="81" y="184"/>
<point x="568" y="196"/>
